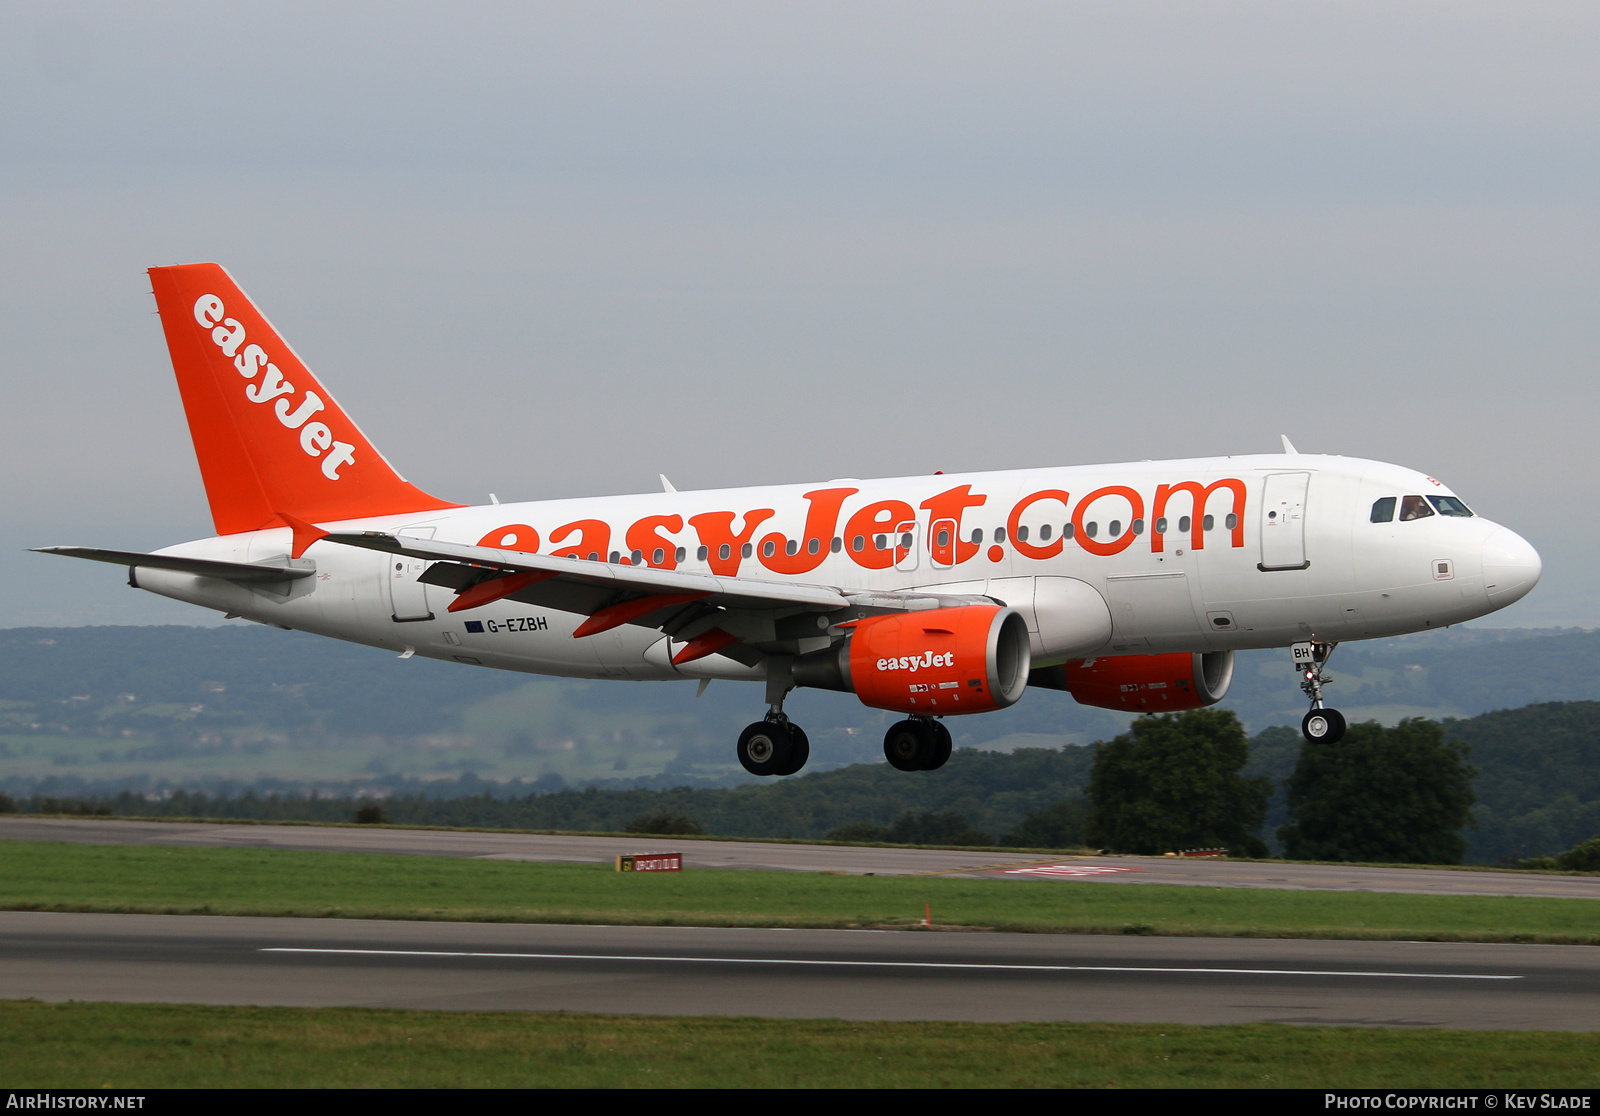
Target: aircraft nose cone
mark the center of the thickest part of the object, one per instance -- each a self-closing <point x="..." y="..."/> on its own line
<point x="1511" y="567"/>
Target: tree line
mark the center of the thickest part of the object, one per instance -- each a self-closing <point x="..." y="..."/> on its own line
<point x="1177" y="782"/>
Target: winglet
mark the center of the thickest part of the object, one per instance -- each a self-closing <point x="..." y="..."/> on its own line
<point x="1288" y="446"/>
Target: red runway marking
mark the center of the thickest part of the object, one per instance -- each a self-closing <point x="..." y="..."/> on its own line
<point x="1068" y="870"/>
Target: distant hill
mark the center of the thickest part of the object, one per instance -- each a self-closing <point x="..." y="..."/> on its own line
<point x="235" y="708"/>
<point x="1538" y="785"/>
<point x="158" y="707"/>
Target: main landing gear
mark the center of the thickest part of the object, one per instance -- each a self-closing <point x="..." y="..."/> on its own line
<point x="775" y="745"/>
<point x="1321" y="725"/>
<point x="917" y="744"/>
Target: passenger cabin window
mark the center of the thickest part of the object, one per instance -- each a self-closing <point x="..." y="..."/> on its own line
<point x="1383" y="510"/>
<point x="1414" y="507"/>
<point x="1449" y="505"/>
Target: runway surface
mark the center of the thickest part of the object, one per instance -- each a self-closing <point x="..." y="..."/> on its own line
<point x="794" y="973"/>
<point x="1001" y="863"/>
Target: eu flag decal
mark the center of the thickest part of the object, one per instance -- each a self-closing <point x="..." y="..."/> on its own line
<point x="474" y="627"/>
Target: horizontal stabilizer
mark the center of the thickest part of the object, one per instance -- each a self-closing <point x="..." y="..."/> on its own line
<point x="283" y="569"/>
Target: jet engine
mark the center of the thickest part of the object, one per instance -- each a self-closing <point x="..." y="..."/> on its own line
<point x="1143" y="683"/>
<point x="937" y="662"/>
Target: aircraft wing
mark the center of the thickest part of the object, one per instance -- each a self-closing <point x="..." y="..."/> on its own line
<point x="737" y="616"/>
<point x="282" y="569"/>
<point x="591" y="579"/>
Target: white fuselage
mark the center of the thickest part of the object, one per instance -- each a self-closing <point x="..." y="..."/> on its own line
<point x="1302" y="561"/>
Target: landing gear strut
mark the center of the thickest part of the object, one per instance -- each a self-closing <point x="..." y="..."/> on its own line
<point x="774" y="745"/>
<point x="1322" y="725"/>
<point x="917" y="744"/>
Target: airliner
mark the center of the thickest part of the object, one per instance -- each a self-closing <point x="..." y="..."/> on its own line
<point x="1130" y="586"/>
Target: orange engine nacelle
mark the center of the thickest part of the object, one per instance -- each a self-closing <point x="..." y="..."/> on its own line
<point x="940" y="662"/>
<point x="1144" y="683"/>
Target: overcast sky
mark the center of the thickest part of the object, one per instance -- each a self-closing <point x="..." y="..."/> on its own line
<point x="554" y="250"/>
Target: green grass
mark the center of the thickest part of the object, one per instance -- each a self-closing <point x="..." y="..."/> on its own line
<point x="61" y="877"/>
<point x="133" y="1046"/>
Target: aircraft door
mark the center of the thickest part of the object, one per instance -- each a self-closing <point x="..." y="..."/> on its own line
<point x="408" y="597"/>
<point x="1283" y="521"/>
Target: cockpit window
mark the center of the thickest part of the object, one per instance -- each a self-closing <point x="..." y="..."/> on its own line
<point x="1449" y="505"/>
<point x="1383" y="510"/>
<point x="1414" y="507"/>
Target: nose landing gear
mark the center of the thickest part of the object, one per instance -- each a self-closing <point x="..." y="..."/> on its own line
<point x="1321" y="725"/>
<point x="917" y="744"/>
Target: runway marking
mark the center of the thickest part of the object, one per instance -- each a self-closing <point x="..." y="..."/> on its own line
<point x="1073" y="871"/>
<point x="965" y="965"/>
<point x="957" y="871"/>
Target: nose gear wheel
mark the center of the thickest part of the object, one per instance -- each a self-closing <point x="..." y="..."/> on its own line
<point x="1323" y="726"/>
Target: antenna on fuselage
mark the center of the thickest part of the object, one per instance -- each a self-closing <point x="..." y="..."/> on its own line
<point x="1288" y="446"/>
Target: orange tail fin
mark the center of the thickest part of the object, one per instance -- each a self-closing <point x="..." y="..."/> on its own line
<point x="272" y="442"/>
